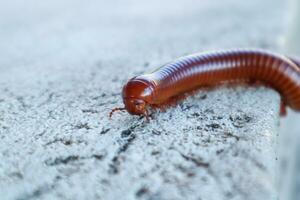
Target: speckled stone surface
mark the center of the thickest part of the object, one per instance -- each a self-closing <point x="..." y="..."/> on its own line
<point x="62" y="68"/>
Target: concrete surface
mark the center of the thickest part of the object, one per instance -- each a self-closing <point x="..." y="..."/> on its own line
<point x="62" y="68"/>
<point x="290" y="125"/>
<point x="291" y="39"/>
<point x="289" y="154"/>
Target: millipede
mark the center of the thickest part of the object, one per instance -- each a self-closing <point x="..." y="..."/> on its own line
<point x="189" y="73"/>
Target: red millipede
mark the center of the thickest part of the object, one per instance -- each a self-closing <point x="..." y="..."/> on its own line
<point x="191" y="72"/>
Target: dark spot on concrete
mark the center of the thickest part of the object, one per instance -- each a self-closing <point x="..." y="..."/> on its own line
<point x="195" y="114"/>
<point x="60" y="160"/>
<point x="72" y="159"/>
<point x="83" y="126"/>
<point x="197" y="161"/>
<point x="196" y="143"/>
<point x="98" y="156"/>
<point x="186" y="170"/>
<point x="213" y="126"/>
<point x="235" y="154"/>
<point x="18" y="175"/>
<point x="20" y="99"/>
<point x="155" y="152"/>
<point x="210" y="111"/>
<point x="228" y="174"/>
<point x="58" y="140"/>
<point x="146" y="64"/>
<point x="150" y="144"/>
<point x="89" y="111"/>
<point x="114" y="166"/>
<point x="64" y="141"/>
<point x="126" y="133"/>
<point x="228" y="134"/>
<point x="115" y="79"/>
<point x="40" y="134"/>
<point x="203" y="97"/>
<point x="240" y="120"/>
<point x="204" y="179"/>
<point x="229" y="195"/>
<point x="67" y="142"/>
<point x="104" y="181"/>
<point x="99" y="97"/>
<point x="142" y="191"/>
<point x="253" y="160"/>
<point x="190" y="174"/>
<point x="129" y="131"/>
<point x="185" y="107"/>
<point x="218" y="152"/>
<point x="156" y="132"/>
<point x="104" y="131"/>
<point x="114" y="94"/>
<point x="126" y="145"/>
<point x="48" y="100"/>
<point x="216" y="117"/>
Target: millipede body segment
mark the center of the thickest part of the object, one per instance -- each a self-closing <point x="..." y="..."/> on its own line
<point x="209" y="69"/>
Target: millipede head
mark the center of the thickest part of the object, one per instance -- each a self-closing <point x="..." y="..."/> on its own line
<point x="136" y="94"/>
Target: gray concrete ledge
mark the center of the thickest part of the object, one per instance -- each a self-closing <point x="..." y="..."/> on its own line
<point x="217" y="145"/>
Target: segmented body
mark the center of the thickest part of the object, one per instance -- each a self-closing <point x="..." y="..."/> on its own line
<point x="212" y="68"/>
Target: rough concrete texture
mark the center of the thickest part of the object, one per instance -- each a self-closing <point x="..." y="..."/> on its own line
<point x="62" y="68"/>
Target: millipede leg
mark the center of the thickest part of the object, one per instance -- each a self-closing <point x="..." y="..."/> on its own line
<point x="146" y="115"/>
<point x="283" y="111"/>
<point x="115" y="110"/>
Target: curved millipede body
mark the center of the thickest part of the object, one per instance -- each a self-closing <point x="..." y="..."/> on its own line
<point x="212" y="68"/>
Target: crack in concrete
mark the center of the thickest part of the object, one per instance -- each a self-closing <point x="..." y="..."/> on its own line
<point x="72" y="159"/>
<point x="130" y="137"/>
<point x="197" y="161"/>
